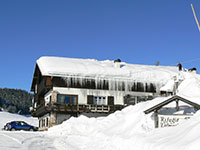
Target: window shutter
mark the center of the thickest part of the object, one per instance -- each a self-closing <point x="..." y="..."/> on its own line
<point x="90" y="99"/>
<point x="110" y="100"/>
<point x="48" y="82"/>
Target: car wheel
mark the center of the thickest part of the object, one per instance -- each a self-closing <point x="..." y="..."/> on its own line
<point x="13" y="129"/>
<point x="31" y="129"/>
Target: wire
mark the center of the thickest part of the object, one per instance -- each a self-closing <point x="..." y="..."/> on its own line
<point x="189" y="61"/>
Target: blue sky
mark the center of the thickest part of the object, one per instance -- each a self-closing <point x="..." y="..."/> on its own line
<point x="136" y="31"/>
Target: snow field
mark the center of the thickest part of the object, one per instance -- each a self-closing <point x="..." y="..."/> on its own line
<point x="8" y="117"/>
<point x="129" y="129"/>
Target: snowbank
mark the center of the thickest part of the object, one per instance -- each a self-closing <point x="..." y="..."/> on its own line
<point x="127" y="129"/>
<point x="190" y="87"/>
<point x="6" y="117"/>
<point x="131" y="128"/>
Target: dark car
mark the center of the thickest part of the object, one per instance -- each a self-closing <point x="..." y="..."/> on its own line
<point x="19" y="125"/>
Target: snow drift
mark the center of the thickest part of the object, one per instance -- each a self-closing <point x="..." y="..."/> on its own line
<point x="6" y="117"/>
<point x="131" y="128"/>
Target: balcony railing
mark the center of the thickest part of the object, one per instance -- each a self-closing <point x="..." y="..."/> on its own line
<point x="42" y="109"/>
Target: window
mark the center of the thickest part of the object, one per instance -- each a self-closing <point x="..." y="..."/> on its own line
<point x="49" y="99"/>
<point x="74" y="100"/>
<point x="99" y="100"/>
<point x="47" y="122"/>
<point x="67" y="99"/>
<point x="96" y="100"/>
<point x="23" y="123"/>
<point x="43" y="122"/>
<point x="17" y="123"/>
<point x="40" y="123"/>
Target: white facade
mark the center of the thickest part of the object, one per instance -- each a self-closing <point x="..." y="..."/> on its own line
<point x="99" y="94"/>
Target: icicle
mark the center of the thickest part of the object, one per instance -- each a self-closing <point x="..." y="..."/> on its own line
<point x="113" y="84"/>
<point x="101" y="83"/>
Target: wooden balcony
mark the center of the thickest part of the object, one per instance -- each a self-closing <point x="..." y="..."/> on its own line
<point x="42" y="109"/>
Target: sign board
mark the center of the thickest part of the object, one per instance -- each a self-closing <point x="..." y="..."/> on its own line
<point x="171" y="120"/>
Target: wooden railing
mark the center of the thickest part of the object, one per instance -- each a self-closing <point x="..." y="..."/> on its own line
<point x="42" y="109"/>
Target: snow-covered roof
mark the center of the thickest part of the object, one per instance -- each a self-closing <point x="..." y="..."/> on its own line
<point x="169" y="86"/>
<point x="64" y="67"/>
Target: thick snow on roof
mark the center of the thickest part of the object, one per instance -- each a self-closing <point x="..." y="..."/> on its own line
<point x="59" y="66"/>
<point x="169" y="87"/>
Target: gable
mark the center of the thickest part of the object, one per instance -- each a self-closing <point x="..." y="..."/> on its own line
<point x="170" y="100"/>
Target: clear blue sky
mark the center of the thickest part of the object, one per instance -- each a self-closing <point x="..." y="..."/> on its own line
<point x="136" y="31"/>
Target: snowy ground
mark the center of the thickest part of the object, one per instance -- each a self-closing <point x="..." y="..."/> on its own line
<point x="129" y="129"/>
<point x="21" y="139"/>
<point x="25" y="141"/>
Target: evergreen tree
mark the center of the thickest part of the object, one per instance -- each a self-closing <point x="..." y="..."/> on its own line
<point x="12" y="109"/>
<point x="15" y="100"/>
<point x="157" y="63"/>
<point x="0" y="103"/>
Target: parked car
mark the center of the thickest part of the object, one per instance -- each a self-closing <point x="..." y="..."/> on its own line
<point x="19" y="125"/>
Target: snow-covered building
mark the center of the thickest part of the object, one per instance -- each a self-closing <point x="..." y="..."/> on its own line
<point x="65" y="87"/>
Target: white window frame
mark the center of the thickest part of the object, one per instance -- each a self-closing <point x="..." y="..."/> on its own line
<point x="99" y="100"/>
